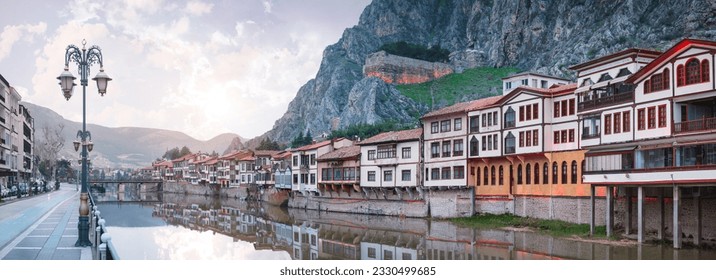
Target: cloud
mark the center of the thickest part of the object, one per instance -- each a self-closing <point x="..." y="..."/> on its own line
<point x="198" y="8"/>
<point x="268" y="5"/>
<point x="235" y="69"/>
<point x="13" y="33"/>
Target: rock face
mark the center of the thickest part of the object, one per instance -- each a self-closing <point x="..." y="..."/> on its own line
<point x="536" y="35"/>
<point x="395" y="69"/>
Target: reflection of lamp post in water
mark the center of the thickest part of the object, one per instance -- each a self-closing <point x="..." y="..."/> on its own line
<point x="84" y="59"/>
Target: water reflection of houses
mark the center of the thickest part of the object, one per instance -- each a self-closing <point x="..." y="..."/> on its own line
<point x="306" y="235"/>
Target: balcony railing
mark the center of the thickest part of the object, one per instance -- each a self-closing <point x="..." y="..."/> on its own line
<point x="509" y="124"/>
<point x="586" y="136"/>
<point x="702" y="124"/>
<point x="605" y="101"/>
<point x="510" y="150"/>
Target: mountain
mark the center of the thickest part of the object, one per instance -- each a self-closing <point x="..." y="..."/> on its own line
<point x="126" y="147"/>
<point x="533" y="35"/>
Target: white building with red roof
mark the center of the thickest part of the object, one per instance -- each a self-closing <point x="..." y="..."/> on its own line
<point x="304" y="167"/>
<point x="390" y="161"/>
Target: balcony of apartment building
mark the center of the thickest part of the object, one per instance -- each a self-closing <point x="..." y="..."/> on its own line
<point x="605" y="96"/>
<point x="667" y="159"/>
<point x="591" y="127"/>
<point x="697" y="116"/>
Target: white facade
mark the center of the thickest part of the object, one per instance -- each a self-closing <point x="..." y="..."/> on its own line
<point x="445" y="166"/>
<point x="398" y="170"/>
<point x="532" y="80"/>
<point x="304" y="167"/>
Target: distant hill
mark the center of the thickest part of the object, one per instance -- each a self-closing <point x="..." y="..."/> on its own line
<point x="126" y="147"/>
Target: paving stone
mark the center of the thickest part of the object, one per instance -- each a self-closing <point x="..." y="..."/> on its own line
<point x="46" y="231"/>
<point x="67" y="254"/>
<point x="22" y="254"/>
<point x="32" y="242"/>
<point x="67" y="242"/>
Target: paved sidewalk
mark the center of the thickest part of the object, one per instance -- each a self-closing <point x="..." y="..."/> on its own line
<point x="51" y="237"/>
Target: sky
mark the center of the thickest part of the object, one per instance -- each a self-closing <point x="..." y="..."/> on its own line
<point x="198" y="66"/>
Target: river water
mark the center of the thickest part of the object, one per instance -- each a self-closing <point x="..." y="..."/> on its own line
<point x="178" y="227"/>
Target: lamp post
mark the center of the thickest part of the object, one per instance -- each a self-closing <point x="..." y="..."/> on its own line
<point x="84" y="59"/>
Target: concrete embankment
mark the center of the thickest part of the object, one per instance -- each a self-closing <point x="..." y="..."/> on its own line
<point x="438" y="204"/>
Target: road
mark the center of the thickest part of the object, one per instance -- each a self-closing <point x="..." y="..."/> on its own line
<point x="18" y="216"/>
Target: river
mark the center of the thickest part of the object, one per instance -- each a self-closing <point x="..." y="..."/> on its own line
<point x="179" y="227"/>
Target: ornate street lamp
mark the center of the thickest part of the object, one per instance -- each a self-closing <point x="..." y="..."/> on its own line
<point x="84" y="58"/>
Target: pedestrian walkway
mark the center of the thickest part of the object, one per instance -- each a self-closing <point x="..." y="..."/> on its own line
<point x="52" y="236"/>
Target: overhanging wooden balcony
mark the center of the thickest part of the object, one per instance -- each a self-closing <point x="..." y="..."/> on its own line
<point x="698" y="125"/>
<point x="605" y="101"/>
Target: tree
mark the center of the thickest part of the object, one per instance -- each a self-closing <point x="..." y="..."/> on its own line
<point x="48" y="147"/>
<point x="267" y="144"/>
<point x="308" y="139"/>
<point x="298" y="141"/>
<point x="175" y="153"/>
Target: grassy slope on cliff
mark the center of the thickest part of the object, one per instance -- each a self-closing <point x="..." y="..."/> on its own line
<point x="469" y="85"/>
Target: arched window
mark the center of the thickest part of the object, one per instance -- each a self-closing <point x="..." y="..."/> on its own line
<point x="509" y="118"/>
<point x="680" y="76"/>
<point x="502" y="173"/>
<point x="486" y="178"/>
<point x="519" y="174"/>
<point x="554" y="173"/>
<point x="474" y="147"/>
<point x="545" y="173"/>
<point x="584" y="166"/>
<point x="667" y="78"/>
<point x="564" y="172"/>
<point x="574" y="172"/>
<point x="478" y="176"/>
<point x="492" y="175"/>
<point x="536" y="173"/>
<point x="509" y="143"/>
<point x="693" y="71"/>
<point x="705" y="71"/>
<point x="528" y="174"/>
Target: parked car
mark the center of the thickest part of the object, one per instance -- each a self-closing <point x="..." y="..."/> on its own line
<point x="4" y="191"/>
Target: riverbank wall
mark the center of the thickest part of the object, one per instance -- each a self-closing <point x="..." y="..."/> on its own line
<point x="271" y="196"/>
<point x="437" y="204"/>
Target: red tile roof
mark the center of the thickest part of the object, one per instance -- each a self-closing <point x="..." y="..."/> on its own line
<point x="265" y="153"/>
<point x="166" y="163"/>
<point x="394" y="136"/>
<point x="455" y="108"/>
<point x="203" y="161"/>
<point x="212" y="161"/>
<point x="186" y="157"/>
<point x="342" y="153"/>
<point x="465" y="106"/>
<point x="316" y="145"/>
<point x="282" y="155"/>
<point x="677" y="49"/>
<point x="483" y="102"/>
<point x="234" y="155"/>
<point x="604" y="59"/>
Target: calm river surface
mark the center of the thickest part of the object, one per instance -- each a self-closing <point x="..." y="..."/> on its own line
<point x="178" y="227"/>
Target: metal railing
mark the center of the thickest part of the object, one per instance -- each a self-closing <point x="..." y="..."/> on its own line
<point x="102" y="247"/>
<point x="697" y="125"/>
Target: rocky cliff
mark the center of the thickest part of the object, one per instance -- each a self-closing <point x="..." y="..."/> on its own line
<point x="395" y="69"/>
<point x="537" y="35"/>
